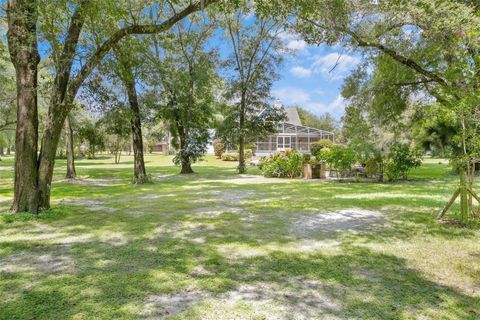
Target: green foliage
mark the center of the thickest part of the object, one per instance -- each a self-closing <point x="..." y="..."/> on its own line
<point x="372" y="167"/>
<point x="230" y="157"/>
<point x="91" y="133"/>
<point x="324" y="122"/>
<point x="341" y="158"/>
<point x="283" y="165"/>
<point x="316" y="147"/>
<point x="401" y="159"/>
<point x="185" y="80"/>
<point x="194" y="149"/>
<point x="306" y="158"/>
<point x="219" y="148"/>
<point x="255" y="53"/>
<point x="52" y="214"/>
<point x="415" y="52"/>
<point x="236" y="156"/>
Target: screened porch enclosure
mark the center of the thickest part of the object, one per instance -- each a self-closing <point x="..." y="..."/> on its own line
<point x="291" y="136"/>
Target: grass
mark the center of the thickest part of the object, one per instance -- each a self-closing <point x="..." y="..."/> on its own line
<point x="215" y="246"/>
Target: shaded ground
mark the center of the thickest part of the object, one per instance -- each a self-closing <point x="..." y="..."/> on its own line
<point x="218" y="246"/>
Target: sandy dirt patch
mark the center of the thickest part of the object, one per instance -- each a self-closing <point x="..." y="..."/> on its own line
<point x="168" y="305"/>
<point x="93" y="182"/>
<point x="342" y="220"/>
<point x="53" y="261"/>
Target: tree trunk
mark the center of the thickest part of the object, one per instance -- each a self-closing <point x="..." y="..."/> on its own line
<point x="9" y="151"/>
<point x="186" y="168"/>
<point x="71" y="174"/>
<point x="381" y="171"/>
<point x="139" y="171"/>
<point x="22" y="44"/>
<point x="2" y="153"/>
<point x="50" y="140"/>
<point x="241" y="143"/>
<point x="186" y="165"/>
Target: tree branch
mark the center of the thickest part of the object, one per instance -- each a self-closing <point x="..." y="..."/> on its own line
<point x="103" y="49"/>
<point x="390" y="52"/>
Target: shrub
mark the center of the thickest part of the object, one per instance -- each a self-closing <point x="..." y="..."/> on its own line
<point x="372" y="167"/>
<point x="401" y="160"/>
<point x="230" y="157"/>
<point x="218" y="148"/>
<point x="318" y="146"/>
<point x="324" y="155"/>
<point x="283" y="165"/>
<point x="306" y="158"/>
<point x="342" y="158"/>
<point x="391" y="171"/>
<point x="236" y="156"/>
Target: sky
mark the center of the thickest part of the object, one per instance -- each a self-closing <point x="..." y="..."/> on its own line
<point x="307" y="79"/>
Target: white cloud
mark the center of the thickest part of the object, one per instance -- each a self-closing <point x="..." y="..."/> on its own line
<point x="333" y="64"/>
<point x="293" y="42"/>
<point x="297" y="45"/>
<point x="292" y="96"/>
<point x="301" y="72"/>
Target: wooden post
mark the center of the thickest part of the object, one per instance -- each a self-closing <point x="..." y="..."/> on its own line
<point x="474" y="195"/>
<point x="449" y="204"/>
<point x="464" y="208"/>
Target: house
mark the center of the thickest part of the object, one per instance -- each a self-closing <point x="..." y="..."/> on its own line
<point x="161" y="147"/>
<point x="291" y="134"/>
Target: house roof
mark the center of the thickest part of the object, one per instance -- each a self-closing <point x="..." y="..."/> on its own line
<point x="292" y="116"/>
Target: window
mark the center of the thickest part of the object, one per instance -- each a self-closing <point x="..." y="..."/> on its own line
<point x="283" y="143"/>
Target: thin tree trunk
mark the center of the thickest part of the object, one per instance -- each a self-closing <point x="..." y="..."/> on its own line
<point x="9" y="151"/>
<point x="71" y="174"/>
<point x="186" y="166"/>
<point x="22" y="44"/>
<point x="139" y="171"/>
<point x="241" y="143"/>
<point x="2" y="153"/>
<point x="47" y="161"/>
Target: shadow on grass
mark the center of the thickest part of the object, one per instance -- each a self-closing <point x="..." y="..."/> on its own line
<point x="120" y="245"/>
<point x="110" y="280"/>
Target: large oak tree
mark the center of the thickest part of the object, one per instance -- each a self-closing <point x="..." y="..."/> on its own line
<point x="75" y="30"/>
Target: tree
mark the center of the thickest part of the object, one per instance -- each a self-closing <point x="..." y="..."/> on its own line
<point x="126" y="62"/>
<point x="155" y="132"/>
<point x="436" y="130"/>
<point x="402" y="158"/>
<point x="34" y="170"/>
<point x="92" y="134"/>
<point x="116" y="123"/>
<point x="7" y="89"/>
<point x="186" y="77"/>
<point x="7" y="98"/>
<point x="22" y="42"/>
<point x="256" y="54"/>
<point x="71" y="172"/>
<point x="431" y="44"/>
<point x="325" y="121"/>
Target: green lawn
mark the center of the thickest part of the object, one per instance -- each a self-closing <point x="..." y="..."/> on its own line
<point x="217" y="246"/>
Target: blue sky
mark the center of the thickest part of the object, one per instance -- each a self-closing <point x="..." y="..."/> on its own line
<point x="307" y="78"/>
